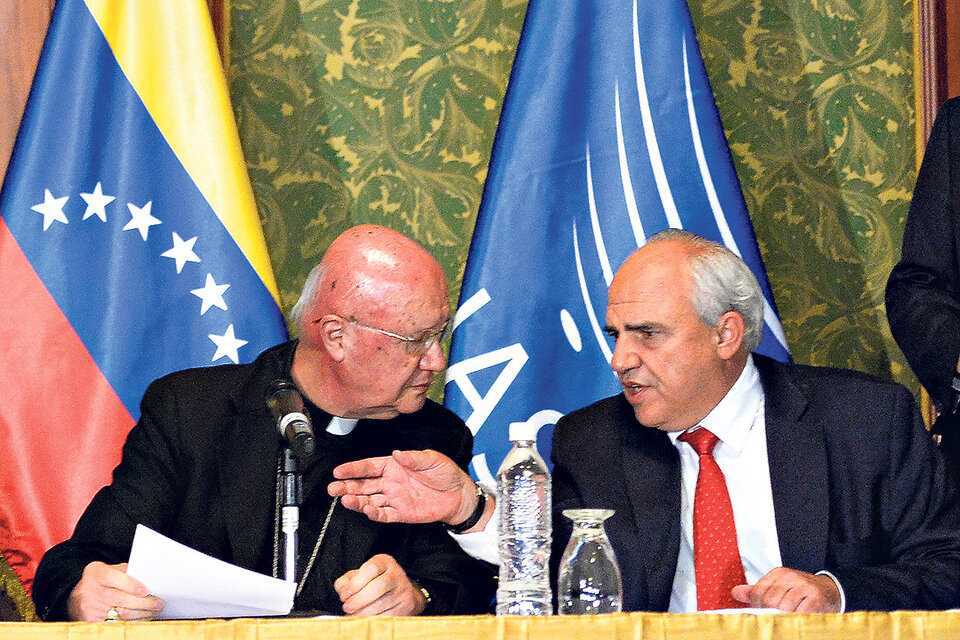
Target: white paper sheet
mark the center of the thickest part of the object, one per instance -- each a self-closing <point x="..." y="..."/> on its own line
<point x="195" y="585"/>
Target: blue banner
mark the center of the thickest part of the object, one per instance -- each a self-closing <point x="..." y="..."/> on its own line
<point x="609" y="133"/>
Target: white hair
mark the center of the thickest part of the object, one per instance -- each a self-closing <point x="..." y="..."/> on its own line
<point x="308" y="295"/>
<point x="722" y="282"/>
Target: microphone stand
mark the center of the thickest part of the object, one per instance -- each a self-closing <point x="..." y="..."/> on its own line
<point x="291" y="497"/>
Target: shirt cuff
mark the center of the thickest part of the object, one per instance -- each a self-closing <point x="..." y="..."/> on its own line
<point x="482" y="545"/>
<point x="843" y="597"/>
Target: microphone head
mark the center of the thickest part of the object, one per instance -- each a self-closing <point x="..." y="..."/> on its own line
<point x="286" y="405"/>
<point x="281" y="389"/>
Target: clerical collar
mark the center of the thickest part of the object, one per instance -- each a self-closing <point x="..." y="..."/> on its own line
<point x="341" y="426"/>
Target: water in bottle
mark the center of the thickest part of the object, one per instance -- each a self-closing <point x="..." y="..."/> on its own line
<point x="524" y="528"/>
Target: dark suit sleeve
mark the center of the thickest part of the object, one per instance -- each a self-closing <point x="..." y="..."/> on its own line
<point x="911" y="560"/>
<point x="565" y="495"/>
<point x="923" y="292"/>
<point x="458" y="583"/>
<point x="143" y="490"/>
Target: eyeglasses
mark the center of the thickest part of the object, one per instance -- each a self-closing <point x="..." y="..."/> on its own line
<point x="415" y="346"/>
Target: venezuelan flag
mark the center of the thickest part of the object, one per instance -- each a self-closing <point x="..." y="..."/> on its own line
<point x="130" y="247"/>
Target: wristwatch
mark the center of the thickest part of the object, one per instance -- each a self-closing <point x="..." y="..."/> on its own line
<point x="474" y="517"/>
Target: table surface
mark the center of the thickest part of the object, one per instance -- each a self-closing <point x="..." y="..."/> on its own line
<point x="900" y="625"/>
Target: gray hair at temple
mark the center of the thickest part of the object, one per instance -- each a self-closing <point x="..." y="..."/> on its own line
<point x="307" y="295"/>
<point x="722" y="282"/>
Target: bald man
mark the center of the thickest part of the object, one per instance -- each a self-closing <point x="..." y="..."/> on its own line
<point x="202" y="464"/>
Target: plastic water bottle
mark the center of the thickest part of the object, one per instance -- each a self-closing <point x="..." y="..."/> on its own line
<point x="524" y="529"/>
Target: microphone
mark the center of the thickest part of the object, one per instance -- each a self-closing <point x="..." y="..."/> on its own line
<point x="286" y="405"/>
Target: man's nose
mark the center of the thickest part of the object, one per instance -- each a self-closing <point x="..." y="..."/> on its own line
<point x="433" y="359"/>
<point x="624" y="358"/>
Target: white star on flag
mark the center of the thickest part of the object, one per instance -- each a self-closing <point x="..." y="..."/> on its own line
<point x="140" y="219"/>
<point x="211" y="294"/>
<point x="182" y="251"/>
<point x="51" y="208"/>
<point x="227" y="345"/>
<point x="96" y="203"/>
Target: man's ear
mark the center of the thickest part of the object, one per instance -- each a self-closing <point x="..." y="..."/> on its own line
<point x="729" y="334"/>
<point x="329" y="330"/>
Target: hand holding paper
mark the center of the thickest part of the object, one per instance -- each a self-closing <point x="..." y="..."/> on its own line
<point x="195" y="585"/>
<point x="105" y="586"/>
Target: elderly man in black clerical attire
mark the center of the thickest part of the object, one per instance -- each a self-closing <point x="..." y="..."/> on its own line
<point x="201" y="465"/>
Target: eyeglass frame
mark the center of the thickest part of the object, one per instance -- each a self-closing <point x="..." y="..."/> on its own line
<point x="420" y="345"/>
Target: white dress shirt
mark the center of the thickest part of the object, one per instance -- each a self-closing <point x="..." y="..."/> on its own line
<point x="741" y="455"/>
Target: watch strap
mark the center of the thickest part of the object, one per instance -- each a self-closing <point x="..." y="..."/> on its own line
<point x="474" y="517"/>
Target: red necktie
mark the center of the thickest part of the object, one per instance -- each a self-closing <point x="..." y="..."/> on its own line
<point x="716" y="558"/>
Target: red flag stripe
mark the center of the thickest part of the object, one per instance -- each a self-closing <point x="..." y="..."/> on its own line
<point x="82" y="421"/>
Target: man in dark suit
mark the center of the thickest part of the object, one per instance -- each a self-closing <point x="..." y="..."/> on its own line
<point x="202" y="463"/>
<point x="839" y="500"/>
<point x="923" y="292"/>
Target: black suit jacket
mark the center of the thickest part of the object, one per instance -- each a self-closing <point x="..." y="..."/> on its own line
<point x="858" y="489"/>
<point x="200" y="467"/>
<point x="923" y="292"/>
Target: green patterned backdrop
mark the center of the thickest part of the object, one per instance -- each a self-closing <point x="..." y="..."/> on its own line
<point x="385" y="110"/>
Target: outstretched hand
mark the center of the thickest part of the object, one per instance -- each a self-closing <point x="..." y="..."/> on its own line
<point x="408" y="486"/>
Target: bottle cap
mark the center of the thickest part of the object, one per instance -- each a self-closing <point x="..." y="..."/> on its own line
<point x="522" y="431"/>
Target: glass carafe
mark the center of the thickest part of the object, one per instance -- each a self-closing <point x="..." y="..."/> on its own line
<point x="589" y="580"/>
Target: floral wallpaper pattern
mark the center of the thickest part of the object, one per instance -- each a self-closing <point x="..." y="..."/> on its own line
<point x="385" y="111"/>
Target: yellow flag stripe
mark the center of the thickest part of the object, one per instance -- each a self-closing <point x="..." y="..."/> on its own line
<point x="168" y="52"/>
